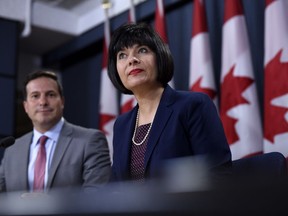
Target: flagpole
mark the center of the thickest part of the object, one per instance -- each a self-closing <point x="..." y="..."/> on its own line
<point x="108" y="94"/>
<point x="106" y="5"/>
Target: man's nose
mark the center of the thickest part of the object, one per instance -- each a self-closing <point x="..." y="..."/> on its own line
<point x="43" y="100"/>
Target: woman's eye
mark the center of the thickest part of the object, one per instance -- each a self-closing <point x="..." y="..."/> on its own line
<point x="121" y="55"/>
<point x="143" y="50"/>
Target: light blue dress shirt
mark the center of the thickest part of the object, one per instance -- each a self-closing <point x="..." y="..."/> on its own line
<point x="53" y="135"/>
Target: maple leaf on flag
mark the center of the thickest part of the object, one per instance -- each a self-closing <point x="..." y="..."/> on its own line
<point x="196" y="87"/>
<point x="276" y="78"/>
<point x="104" y="119"/>
<point x="232" y="89"/>
<point x="127" y="106"/>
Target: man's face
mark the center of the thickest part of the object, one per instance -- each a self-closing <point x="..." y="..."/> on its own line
<point x="44" y="104"/>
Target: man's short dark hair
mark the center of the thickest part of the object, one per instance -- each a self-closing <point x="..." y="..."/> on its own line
<point x="41" y="73"/>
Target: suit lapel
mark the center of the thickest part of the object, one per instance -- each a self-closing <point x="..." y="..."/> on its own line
<point x="161" y="118"/>
<point x="23" y="159"/>
<point x="62" y="144"/>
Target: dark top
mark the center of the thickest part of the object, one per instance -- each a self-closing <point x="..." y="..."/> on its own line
<point x="138" y="153"/>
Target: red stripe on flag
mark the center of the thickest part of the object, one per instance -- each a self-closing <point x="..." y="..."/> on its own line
<point x="160" y="25"/>
<point x="199" y="18"/>
<point x="232" y="8"/>
<point x="269" y="2"/>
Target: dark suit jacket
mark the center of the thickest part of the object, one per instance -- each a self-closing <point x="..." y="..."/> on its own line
<point x="185" y="124"/>
<point x="81" y="159"/>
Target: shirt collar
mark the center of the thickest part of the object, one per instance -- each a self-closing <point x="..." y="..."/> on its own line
<point x="53" y="133"/>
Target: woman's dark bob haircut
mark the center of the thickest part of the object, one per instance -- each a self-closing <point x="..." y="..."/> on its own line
<point x="130" y="34"/>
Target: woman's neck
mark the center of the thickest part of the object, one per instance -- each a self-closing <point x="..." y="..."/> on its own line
<point x="148" y="105"/>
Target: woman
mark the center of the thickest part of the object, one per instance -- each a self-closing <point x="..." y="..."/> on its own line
<point x="165" y="124"/>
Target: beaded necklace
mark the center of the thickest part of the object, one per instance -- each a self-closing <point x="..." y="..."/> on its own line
<point x="134" y="134"/>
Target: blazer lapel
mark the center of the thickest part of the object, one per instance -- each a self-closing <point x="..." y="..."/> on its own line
<point x="161" y="118"/>
<point x="62" y="144"/>
<point x="126" y="139"/>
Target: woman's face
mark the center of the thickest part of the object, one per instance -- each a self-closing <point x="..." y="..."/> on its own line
<point x="136" y="66"/>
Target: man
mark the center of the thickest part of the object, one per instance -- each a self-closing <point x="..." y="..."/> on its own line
<point x="71" y="156"/>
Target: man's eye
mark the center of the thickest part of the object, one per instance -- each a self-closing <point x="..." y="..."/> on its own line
<point x="52" y="95"/>
<point x="34" y="96"/>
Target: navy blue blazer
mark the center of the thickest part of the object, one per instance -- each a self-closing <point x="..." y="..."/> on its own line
<point x="186" y="124"/>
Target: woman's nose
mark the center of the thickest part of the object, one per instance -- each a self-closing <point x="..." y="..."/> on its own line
<point x="133" y="60"/>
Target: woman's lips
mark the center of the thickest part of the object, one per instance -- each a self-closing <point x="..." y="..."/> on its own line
<point x="135" y="71"/>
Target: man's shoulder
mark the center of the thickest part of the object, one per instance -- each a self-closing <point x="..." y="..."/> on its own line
<point x="75" y="128"/>
<point x="20" y="142"/>
<point x="24" y="137"/>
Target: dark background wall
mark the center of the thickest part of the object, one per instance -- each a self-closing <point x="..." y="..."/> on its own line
<point x="80" y="60"/>
<point x="8" y="73"/>
<point x="8" y="69"/>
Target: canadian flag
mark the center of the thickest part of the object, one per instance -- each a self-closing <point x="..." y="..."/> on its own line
<point x="108" y="94"/>
<point x="160" y="26"/>
<point x="276" y="77"/>
<point x="201" y="77"/>
<point x="239" y="107"/>
<point x="132" y="16"/>
<point x="129" y="101"/>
